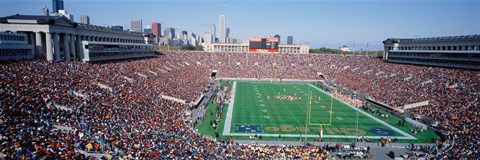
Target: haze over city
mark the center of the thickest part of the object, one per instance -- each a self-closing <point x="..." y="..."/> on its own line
<point x="328" y="24"/>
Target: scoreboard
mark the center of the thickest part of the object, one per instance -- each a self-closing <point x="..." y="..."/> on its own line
<point x="263" y="45"/>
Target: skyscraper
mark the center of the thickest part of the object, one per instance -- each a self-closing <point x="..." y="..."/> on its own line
<point x="208" y="37"/>
<point x="278" y="37"/>
<point x="136" y="25"/>
<point x="169" y="32"/>
<point x="85" y="19"/>
<point x="44" y="11"/>
<point x="214" y="33"/>
<point x="184" y="35"/>
<point x="65" y="14"/>
<point x="223" y="26"/>
<point x="157" y="31"/>
<point x="290" y="40"/>
<point x="57" y="5"/>
<point x="227" y="35"/>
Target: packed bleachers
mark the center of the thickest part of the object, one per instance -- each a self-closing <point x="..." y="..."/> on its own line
<point x="132" y="120"/>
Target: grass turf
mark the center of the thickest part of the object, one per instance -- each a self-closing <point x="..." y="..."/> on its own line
<point x="257" y="106"/>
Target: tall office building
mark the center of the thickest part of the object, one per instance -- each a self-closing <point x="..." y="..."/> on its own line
<point x="208" y="38"/>
<point x="136" y="25"/>
<point x="184" y="35"/>
<point x="278" y="37"/>
<point x="194" y="40"/>
<point x="227" y="35"/>
<point x="57" y="5"/>
<point x="223" y="26"/>
<point x="157" y="31"/>
<point x="166" y="32"/>
<point x="65" y="14"/>
<point x="85" y="19"/>
<point x="169" y="32"/>
<point x="44" y="11"/>
<point x="213" y="31"/>
<point x="290" y="40"/>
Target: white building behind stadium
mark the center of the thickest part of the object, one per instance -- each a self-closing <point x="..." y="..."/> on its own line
<point x="243" y="47"/>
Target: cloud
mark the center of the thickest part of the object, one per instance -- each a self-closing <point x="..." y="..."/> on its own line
<point x="224" y="5"/>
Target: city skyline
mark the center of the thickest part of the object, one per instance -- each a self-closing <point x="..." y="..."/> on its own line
<point x="328" y="24"/>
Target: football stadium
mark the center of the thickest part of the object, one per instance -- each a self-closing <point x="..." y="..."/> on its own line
<point x="74" y="90"/>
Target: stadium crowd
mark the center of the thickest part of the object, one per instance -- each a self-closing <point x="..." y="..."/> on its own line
<point x="116" y="107"/>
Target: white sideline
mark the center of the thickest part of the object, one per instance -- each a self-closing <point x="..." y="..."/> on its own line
<point x="228" y="119"/>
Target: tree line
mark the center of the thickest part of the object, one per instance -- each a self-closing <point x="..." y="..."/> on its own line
<point x="324" y="50"/>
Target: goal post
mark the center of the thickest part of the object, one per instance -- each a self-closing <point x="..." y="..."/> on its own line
<point x="310" y="113"/>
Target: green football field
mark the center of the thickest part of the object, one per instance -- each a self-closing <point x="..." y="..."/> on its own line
<point x="293" y="109"/>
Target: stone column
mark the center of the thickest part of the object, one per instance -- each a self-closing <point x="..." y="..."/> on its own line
<point x="56" y="46"/>
<point x="73" y="45"/>
<point x="66" y="46"/>
<point x="39" y="51"/>
<point x="48" y="38"/>
<point x="79" y="46"/>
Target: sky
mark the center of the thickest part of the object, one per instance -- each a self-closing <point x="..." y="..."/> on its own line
<point x="319" y="23"/>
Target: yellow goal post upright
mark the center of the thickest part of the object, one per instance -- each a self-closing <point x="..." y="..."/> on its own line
<point x="320" y="124"/>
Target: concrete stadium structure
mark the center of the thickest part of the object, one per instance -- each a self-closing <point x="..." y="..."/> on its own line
<point x="454" y="51"/>
<point x="58" y="38"/>
<point x="243" y="47"/>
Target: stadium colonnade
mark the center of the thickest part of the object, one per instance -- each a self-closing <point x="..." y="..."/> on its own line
<point x="58" y="38"/>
